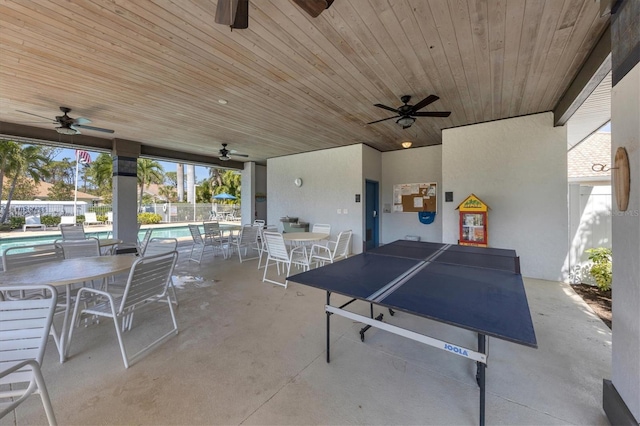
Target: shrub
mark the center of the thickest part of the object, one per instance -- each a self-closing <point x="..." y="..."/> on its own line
<point x="50" y="220"/>
<point x="149" y="218"/>
<point x="101" y="217"/>
<point x="601" y="268"/>
<point x="16" y="222"/>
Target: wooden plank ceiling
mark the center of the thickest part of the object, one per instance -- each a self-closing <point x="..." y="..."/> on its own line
<point x="154" y="70"/>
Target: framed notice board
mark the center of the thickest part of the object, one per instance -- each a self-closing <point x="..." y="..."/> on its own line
<point x="415" y="197"/>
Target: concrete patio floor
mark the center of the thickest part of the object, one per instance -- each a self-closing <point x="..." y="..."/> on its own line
<point x="249" y="352"/>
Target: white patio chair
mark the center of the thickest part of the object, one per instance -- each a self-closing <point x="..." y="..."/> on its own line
<point x="148" y="282"/>
<point x="263" y="244"/>
<point x="67" y="220"/>
<point x="73" y="249"/>
<point x="24" y="328"/>
<point x="335" y="250"/>
<point x="73" y="232"/>
<point x="259" y="222"/>
<point x="33" y="221"/>
<point x="157" y="246"/>
<point x="279" y="254"/>
<point x="213" y="233"/>
<point x="23" y="257"/>
<point x="322" y="228"/>
<point x="90" y="218"/>
<point x="198" y="242"/>
<point x="247" y="240"/>
<point x="109" y="218"/>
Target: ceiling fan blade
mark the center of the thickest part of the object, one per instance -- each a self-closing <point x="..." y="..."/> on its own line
<point x="387" y="108"/>
<point x="36" y="115"/>
<point x="97" y="129"/>
<point x="81" y="121"/>
<point x="423" y="103"/>
<point x="226" y="11"/>
<point x="239" y="155"/>
<point x="432" y="114"/>
<point x="241" y="20"/>
<point x="384" y="119"/>
<point x="312" y="7"/>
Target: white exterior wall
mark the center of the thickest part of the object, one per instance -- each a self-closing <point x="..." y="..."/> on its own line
<point x="331" y="178"/>
<point x="625" y="132"/>
<point x="519" y="168"/>
<point x="414" y="165"/>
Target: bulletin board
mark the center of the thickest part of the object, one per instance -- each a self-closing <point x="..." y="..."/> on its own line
<point x="415" y="197"/>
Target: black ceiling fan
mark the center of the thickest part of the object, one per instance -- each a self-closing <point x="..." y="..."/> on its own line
<point x="225" y="153"/>
<point x="406" y="113"/>
<point x="234" y="13"/>
<point x="68" y="125"/>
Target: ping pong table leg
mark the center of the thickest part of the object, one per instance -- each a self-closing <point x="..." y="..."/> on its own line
<point x="328" y="324"/>
<point x="480" y="375"/>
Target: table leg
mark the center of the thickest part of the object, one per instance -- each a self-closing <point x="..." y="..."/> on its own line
<point x="64" y="332"/>
<point x="328" y="325"/>
<point x="481" y="376"/>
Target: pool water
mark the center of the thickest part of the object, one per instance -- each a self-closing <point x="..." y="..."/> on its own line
<point x="172" y="232"/>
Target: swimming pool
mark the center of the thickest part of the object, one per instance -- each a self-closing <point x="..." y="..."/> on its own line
<point x="170" y="232"/>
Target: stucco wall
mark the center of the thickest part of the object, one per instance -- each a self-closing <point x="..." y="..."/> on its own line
<point x="414" y="165"/>
<point x="625" y="132"/>
<point x="519" y="168"/>
<point x="331" y="178"/>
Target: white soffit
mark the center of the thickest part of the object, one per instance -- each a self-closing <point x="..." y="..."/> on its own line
<point x="592" y="114"/>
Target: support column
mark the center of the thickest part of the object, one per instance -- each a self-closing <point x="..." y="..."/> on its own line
<point x="125" y="191"/>
<point x="621" y="395"/>
<point x="248" y="194"/>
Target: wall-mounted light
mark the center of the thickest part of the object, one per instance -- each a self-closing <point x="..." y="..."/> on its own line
<point x="407" y="144"/>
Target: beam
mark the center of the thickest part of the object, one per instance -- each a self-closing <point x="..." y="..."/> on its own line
<point x="32" y="134"/>
<point x="593" y="71"/>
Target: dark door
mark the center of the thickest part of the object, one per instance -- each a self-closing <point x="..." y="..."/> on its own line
<point x="371" y="214"/>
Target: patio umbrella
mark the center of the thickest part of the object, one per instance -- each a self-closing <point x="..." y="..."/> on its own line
<point x="224" y="196"/>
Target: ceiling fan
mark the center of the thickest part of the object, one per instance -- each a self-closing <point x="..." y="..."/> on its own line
<point x="313" y="7"/>
<point x="68" y="125"/>
<point x="234" y="13"/>
<point x="407" y="113"/>
<point x="225" y="153"/>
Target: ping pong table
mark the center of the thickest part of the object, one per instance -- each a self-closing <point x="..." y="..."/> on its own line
<point x="475" y="288"/>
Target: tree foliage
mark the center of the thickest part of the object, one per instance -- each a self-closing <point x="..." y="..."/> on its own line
<point x="61" y="191"/>
<point x="149" y="171"/>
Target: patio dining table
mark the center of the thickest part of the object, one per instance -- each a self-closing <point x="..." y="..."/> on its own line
<point x="65" y="273"/>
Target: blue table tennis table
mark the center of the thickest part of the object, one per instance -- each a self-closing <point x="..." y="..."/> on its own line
<point x="474" y="288"/>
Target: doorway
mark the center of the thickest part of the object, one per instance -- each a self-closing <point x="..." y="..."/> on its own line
<point x="371" y="215"/>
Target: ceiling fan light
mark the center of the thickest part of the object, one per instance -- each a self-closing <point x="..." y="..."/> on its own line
<point x="405" y="121"/>
<point x="224" y="157"/>
<point x="407" y="144"/>
<point x="66" y="131"/>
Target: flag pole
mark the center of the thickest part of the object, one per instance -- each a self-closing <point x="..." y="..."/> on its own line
<point x="75" y="192"/>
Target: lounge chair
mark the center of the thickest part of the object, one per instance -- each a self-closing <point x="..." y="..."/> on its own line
<point x="91" y="219"/>
<point x="33" y="221"/>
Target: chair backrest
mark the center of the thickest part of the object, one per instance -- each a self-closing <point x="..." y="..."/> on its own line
<point x="109" y="216"/>
<point x="259" y="222"/>
<point x="322" y="228"/>
<point x="343" y="245"/>
<point x="17" y="257"/>
<point x="195" y="234"/>
<point x="276" y="247"/>
<point x="90" y="217"/>
<point x="74" y="232"/>
<point x="74" y="249"/>
<point x="149" y="277"/>
<point x="67" y="220"/>
<point x="158" y="246"/>
<point x="249" y="234"/>
<point x="32" y="220"/>
<point x="145" y="240"/>
<point x="24" y="331"/>
<point x="211" y="227"/>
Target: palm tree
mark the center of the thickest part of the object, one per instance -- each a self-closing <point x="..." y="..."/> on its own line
<point x="149" y="171"/>
<point x="29" y="161"/>
<point x="9" y="153"/>
<point x="100" y="171"/>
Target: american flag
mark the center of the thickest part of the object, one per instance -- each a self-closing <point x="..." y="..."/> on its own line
<point x="83" y="157"/>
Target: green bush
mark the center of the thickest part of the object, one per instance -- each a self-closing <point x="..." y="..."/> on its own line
<point x="101" y="217"/>
<point x="149" y="218"/>
<point x="16" y="222"/>
<point x="50" y="220"/>
<point x="601" y="268"/>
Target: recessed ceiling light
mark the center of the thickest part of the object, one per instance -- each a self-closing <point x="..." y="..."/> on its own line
<point x="223" y="101"/>
<point x="406" y="144"/>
